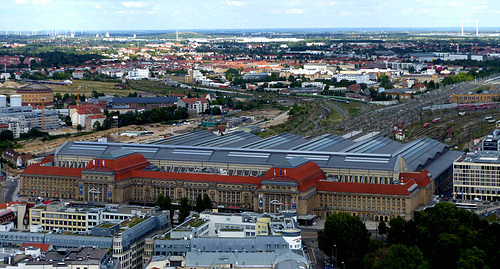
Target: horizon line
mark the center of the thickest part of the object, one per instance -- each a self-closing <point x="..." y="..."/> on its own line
<point x="78" y="30"/>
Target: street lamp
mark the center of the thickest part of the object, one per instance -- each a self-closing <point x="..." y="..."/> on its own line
<point x="343" y="265"/>
<point x="336" y="259"/>
<point x="276" y="202"/>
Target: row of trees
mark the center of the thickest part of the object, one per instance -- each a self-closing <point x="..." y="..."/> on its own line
<point x="164" y="202"/>
<point x="51" y="56"/>
<point x="160" y="114"/>
<point x="440" y="237"/>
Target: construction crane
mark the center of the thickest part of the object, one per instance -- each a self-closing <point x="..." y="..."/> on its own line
<point x="43" y="113"/>
<point x="78" y="98"/>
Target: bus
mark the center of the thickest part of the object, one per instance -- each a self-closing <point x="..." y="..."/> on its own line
<point x="466" y="205"/>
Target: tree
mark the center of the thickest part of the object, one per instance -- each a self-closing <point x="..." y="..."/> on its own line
<point x="79" y="127"/>
<point x="184" y="210"/>
<point x="449" y="246"/>
<point x="97" y="126"/>
<point x="382" y="228"/>
<point x="472" y="258"/>
<point x="348" y="233"/>
<point x="200" y="206"/>
<point x="385" y="82"/>
<point x="67" y="120"/>
<point x="401" y="256"/>
<point x="207" y="201"/>
<point x="164" y="202"/>
<point x="6" y="135"/>
<point x="396" y="233"/>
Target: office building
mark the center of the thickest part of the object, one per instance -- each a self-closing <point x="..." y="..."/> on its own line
<point x="477" y="176"/>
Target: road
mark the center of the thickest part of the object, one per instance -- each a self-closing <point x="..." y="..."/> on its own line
<point x="8" y="188"/>
<point x="316" y="256"/>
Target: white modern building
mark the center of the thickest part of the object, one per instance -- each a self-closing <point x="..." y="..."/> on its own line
<point x="138" y="74"/>
<point x="477" y="176"/>
<point x="359" y="78"/>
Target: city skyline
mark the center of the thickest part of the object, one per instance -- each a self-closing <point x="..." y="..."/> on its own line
<point x="27" y="15"/>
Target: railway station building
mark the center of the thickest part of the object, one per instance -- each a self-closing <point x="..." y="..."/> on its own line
<point x="376" y="178"/>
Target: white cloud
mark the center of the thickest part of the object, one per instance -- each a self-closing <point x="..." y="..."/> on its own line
<point x="407" y="11"/>
<point x="345" y="13"/>
<point x="134" y="4"/>
<point x="334" y="3"/>
<point x="42" y="2"/>
<point x="236" y="3"/>
<point x="21" y="1"/>
<point x="457" y="3"/>
<point x="97" y="6"/>
<point x="294" y="11"/>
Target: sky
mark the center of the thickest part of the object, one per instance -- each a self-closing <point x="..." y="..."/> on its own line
<point x="111" y="15"/>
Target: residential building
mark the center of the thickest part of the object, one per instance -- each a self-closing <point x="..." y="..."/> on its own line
<point x="81" y="113"/>
<point x="68" y="258"/>
<point x="17" y="159"/>
<point x="58" y="216"/>
<point x="23" y="118"/>
<point x="354" y="88"/>
<point x="138" y="74"/>
<point x="126" y="242"/>
<point x="196" y="105"/>
<point x="359" y="78"/>
<point x="21" y="213"/>
<point x="420" y="78"/>
<point x="401" y="94"/>
<point x="78" y="74"/>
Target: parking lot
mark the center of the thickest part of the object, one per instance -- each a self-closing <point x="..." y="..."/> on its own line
<point x="484" y="208"/>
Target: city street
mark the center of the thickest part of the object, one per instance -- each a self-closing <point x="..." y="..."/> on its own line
<point x="9" y="186"/>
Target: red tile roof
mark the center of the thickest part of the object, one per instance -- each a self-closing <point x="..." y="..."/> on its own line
<point x="37" y="169"/>
<point x="193" y="100"/>
<point x="198" y="177"/>
<point x="5" y="205"/>
<point x="306" y="175"/>
<point x="42" y="247"/>
<point x="422" y="178"/>
<point x="368" y="188"/>
<point x="48" y="159"/>
<point x="121" y="166"/>
<point x="97" y="116"/>
<point x="5" y="212"/>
